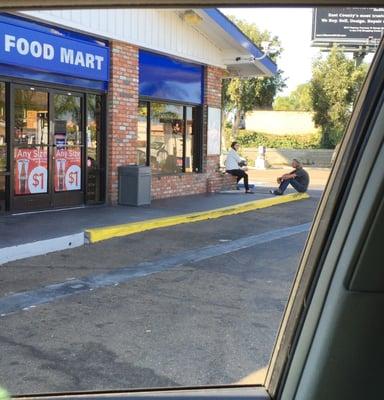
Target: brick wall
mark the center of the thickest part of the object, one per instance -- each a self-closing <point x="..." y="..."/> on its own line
<point x="122" y="111"/>
<point x="178" y="185"/>
<point x="216" y="180"/>
<point x="122" y="130"/>
<point x="212" y="90"/>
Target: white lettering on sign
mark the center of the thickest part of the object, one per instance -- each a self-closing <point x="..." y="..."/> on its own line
<point x="66" y="55"/>
<point x="90" y="61"/>
<point x="79" y="59"/>
<point x="99" y="60"/>
<point x="87" y="60"/>
<point x="23" y="47"/>
<point x="47" y="52"/>
<point x="9" y="41"/>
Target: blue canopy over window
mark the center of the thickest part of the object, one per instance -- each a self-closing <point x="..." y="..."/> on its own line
<point x="166" y="78"/>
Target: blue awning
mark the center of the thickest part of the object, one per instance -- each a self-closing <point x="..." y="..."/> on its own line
<point x="166" y="78"/>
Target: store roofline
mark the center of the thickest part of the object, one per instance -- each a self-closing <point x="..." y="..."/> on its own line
<point x="231" y="29"/>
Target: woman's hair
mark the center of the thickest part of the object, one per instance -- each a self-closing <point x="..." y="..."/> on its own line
<point x="233" y="144"/>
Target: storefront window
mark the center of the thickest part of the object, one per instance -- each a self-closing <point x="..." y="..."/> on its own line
<point x="3" y="147"/>
<point x="142" y="134"/>
<point x="67" y="119"/>
<point x="94" y="149"/>
<point x="3" y="139"/>
<point x="189" y="140"/>
<point x="172" y="137"/>
<point x="30" y="142"/>
<point x="167" y="138"/>
<point x="68" y="142"/>
<point x="31" y="117"/>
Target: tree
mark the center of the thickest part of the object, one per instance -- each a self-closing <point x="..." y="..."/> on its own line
<point x="244" y="94"/>
<point x="335" y="83"/>
<point x="298" y="100"/>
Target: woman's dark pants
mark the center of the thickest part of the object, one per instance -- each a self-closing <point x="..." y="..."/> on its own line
<point x="240" y="174"/>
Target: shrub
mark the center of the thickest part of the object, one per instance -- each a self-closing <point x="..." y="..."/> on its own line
<point x="255" y="139"/>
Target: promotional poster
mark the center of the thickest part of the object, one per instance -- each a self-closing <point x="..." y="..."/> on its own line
<point x="31" y="175"/>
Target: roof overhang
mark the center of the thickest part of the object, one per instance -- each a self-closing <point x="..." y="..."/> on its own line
<point x="241" y="56"/>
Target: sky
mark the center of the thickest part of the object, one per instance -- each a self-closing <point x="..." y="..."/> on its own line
<point x="293" y="26"/>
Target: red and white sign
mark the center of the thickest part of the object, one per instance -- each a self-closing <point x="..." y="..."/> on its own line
<point x="67" y="169"/>
<point x="31" y="175"/>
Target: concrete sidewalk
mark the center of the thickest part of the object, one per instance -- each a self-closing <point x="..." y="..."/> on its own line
<point x="30" y="234"/>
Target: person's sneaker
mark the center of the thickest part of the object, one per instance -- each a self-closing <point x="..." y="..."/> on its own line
<point x="272" y="191"/>
<point x="249" y="192"/>
<point x="276" y="192"/>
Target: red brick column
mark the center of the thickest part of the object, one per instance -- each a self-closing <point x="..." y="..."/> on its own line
<point x="213" y="84"/>
<point x="216" y="180"/>
<point x="122" y="111"/>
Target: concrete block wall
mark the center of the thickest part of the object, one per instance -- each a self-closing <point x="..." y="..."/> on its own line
<point x="316" y="158"/>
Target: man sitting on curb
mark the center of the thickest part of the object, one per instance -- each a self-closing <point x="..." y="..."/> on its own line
<point x="298" y="178"/>
<point x="233" y="166"/>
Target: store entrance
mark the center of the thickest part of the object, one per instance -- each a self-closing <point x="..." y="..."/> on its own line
<point x="48" y="148"/>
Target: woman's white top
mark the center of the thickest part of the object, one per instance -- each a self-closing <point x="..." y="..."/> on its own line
<point x="232" y="161"/>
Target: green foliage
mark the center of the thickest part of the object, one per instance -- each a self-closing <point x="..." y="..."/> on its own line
<point x="299" y="100"/>
<point x="334" y="86"/>
<point x="255" y="139"/>
<point x="245" y="94"/>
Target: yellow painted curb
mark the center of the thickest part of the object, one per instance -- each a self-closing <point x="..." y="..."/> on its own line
<point x="108" y="232"/>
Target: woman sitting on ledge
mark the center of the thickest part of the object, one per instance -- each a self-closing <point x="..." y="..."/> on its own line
<point x="233" y="166"/>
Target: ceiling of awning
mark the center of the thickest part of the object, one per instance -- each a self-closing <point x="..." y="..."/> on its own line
<point x="240" y="55"/>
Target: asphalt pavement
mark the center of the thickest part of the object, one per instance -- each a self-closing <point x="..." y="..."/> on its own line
<point x="192" y="304"/>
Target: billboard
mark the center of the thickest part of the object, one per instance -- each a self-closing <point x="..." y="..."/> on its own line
<point x="351" y="26"/>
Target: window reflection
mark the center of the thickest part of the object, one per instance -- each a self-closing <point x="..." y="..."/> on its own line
<point x="142" y="134"/>
<point x="3" y="147"/>
<point x="68" y="140"/>
<point x="30" y="153"/>
<point x="93" y="130"/>
<point x="31" y="117"/>
<point x="67" y="120"/>
<point x="3" y="139"/>
<point x="167" y="132"/>
<point x="189" y="140"/>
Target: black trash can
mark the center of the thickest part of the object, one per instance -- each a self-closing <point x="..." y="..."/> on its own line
<point x="134" y="185"/>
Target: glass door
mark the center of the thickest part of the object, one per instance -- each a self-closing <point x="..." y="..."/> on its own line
<point x="68" y="149"/>
<point x="30" y="148"/>
<point x="48" y="150"/>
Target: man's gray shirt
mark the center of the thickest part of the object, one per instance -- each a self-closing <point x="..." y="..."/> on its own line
<point x="302" y="177"/>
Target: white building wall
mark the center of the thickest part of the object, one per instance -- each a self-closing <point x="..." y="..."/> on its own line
<point x="159" y="30"/>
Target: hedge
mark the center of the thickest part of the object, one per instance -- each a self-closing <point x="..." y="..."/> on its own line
<point x="255" y="139"/>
